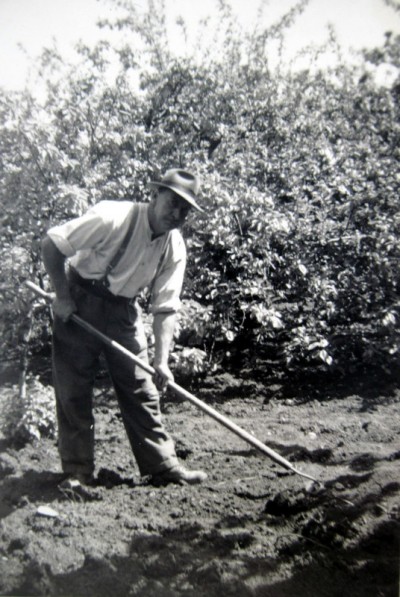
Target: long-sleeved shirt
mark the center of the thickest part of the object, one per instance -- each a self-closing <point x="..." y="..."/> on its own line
<point x="91" y="241"/>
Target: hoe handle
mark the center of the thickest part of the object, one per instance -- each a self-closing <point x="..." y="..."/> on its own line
<point x="179" y="391"/>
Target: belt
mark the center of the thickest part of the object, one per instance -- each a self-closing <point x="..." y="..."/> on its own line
<point x="98" y="288"/>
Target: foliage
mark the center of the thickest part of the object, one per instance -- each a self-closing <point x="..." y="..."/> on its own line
<point x="31" y="417"/>
<point x="303" y="248"/>
<point x="190" y="363"/>
<point x="296" y="261"/>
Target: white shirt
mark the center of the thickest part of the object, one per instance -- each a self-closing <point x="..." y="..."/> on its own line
<point x="92" y="240"/>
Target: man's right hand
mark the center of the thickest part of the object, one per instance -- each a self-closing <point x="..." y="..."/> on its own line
<point x="64" y="307"/>
<point x="54" y="261"/>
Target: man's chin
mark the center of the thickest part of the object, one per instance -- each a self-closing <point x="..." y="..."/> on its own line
<point x="172" y="226"/>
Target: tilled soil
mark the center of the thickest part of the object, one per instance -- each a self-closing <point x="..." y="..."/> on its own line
<point x="252" y="529"/>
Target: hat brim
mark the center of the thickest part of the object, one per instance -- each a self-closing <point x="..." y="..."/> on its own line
<point x="186" y="196"/>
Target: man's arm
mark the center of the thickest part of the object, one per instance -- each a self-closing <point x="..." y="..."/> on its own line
<point x="163" y="328"/>
<point x="54" y="262"/>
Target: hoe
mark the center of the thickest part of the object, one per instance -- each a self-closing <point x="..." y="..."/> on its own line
<point x="179" y="391"/>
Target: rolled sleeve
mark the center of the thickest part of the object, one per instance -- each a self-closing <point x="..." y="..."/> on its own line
<point x="168" y="283"/>
<point x="84" y="232"/>
<point x="61" y="243"/>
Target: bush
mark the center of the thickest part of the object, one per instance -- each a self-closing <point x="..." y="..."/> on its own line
<point x="30" y="417"/>
<point x="295" y="263"/>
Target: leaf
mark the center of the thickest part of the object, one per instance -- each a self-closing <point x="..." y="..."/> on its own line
<point x="325" y="357"/>
<point x="389" y="319"/>
<point x="302" y="268"/>
<point x="276" y="322"/>
<point x="320" y="344"/>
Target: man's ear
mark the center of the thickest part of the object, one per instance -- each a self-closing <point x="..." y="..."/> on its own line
<point x="154" y="197"/>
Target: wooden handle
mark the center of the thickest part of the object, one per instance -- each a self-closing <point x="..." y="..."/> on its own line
<point x="179" y="391"/>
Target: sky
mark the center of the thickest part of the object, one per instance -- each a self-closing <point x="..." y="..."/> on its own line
<point x="34" y="24"/>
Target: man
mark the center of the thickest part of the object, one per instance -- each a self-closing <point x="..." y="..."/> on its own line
<point x="114" y="251"/>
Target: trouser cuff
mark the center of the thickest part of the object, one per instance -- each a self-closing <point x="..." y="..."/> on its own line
<point x="81" y="469"/>
<point x="165" y="465"/>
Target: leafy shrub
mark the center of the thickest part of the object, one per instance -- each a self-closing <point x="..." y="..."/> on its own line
<point x="31" y="417"/>
<point x="195" y="324"/>
<point x="296" y="262"/>
<point x="190" y="363"/>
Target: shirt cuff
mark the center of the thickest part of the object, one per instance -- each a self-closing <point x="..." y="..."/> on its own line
<point x="172" y="306"/>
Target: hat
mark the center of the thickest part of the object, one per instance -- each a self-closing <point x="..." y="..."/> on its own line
<point x="183" y="183"/>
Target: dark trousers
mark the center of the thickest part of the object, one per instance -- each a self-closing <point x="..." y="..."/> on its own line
<point x="75" y="359"/>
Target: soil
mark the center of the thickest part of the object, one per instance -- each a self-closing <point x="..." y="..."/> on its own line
<point x="252" y="529"/>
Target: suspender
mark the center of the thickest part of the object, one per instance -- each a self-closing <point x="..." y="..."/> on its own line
<point x="115" y="260"/>
<point x="122" y="248"/>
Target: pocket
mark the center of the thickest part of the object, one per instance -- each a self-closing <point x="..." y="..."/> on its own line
<point x="88" y="305"/>
<point x="77" y="292"/>
<point x="123" y="316"/>
<point x="127" y="328"/>
<point x="130" y="315"/>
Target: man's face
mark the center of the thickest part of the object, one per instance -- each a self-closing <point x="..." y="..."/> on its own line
<point x="169" y="211"/>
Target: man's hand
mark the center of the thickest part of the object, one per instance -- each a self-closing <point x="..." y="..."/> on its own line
<point x="162" y="376"/>
<point x="54" y="262"/>
<point x="64" y="307"/>
<point x="163" y="327"/>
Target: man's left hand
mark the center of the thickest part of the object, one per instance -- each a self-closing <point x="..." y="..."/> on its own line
<point x="162" y="376"/>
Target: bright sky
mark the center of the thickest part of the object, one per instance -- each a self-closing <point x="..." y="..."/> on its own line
<point x="36" y="23"/>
